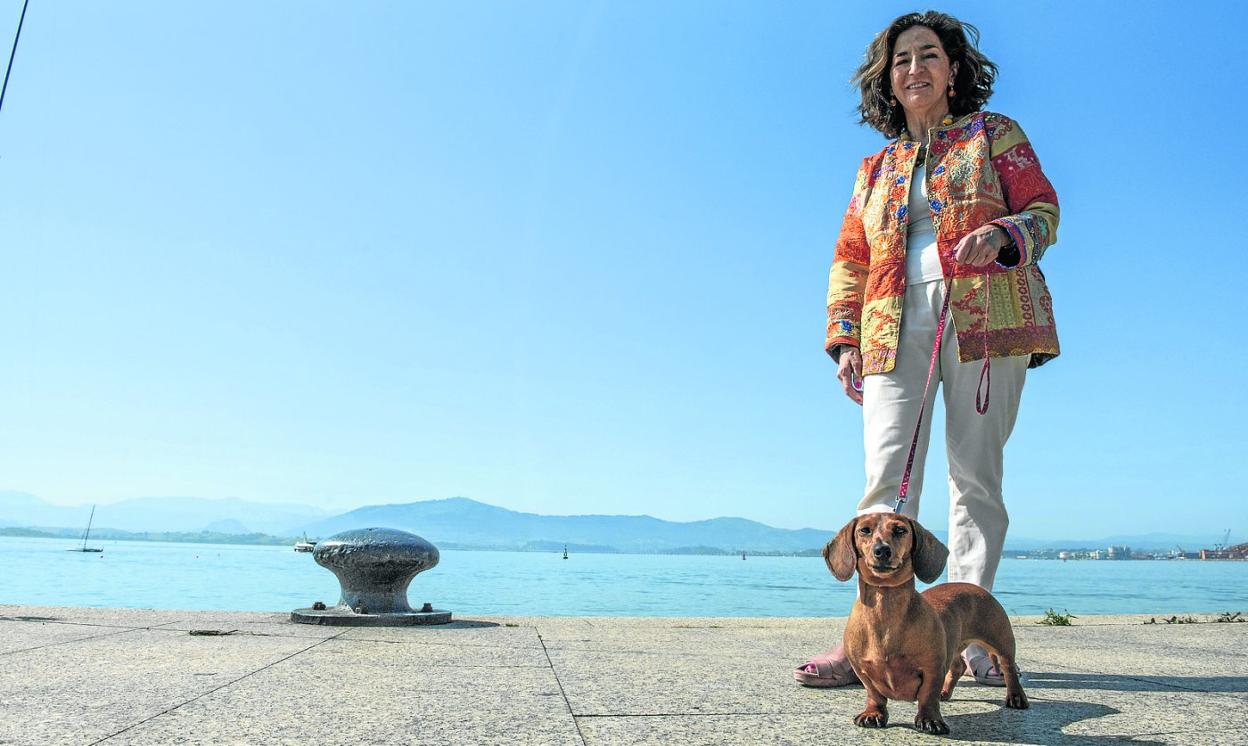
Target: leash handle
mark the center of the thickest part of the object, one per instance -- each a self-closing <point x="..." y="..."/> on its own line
<point x="931" y="368"/>
<point x="984" y="387"/>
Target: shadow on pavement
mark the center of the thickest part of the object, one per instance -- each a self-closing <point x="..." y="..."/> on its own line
<point x="1134" y="683"/>
<point x="463" y="624"/>
<point x="1043" y="723"/>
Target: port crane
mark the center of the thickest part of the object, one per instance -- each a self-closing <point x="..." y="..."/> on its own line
<point x="1223" y="545"/>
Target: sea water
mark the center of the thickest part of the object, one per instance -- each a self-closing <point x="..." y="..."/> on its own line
<point x="266" y="578"/>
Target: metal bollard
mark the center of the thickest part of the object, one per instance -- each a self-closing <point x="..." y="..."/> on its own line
<point x="374" y="567"/>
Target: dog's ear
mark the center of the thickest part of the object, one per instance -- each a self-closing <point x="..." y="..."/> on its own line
<point x="928" y="555"/>
<point x="840" y="555"/>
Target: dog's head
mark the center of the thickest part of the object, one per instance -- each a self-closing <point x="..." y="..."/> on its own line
<point x="886" y="549"/>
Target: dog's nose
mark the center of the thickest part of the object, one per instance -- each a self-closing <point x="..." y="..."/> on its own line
<point x="881" y="550"/>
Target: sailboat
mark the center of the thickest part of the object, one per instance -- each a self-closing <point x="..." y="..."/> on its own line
<point x="87" y="535"/>
<point x="305" y="545"/>
<point x="565" y="551"/>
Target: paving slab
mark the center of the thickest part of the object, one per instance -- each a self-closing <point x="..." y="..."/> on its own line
<point x="1122" y="714"/>
<point x="1090" y="718"/>
<point x="130" y="676"/>
<point x="607" y="683"/>
<point x="785" y="644"/>
<point x="493" y="633"/>
<point x="16" y="635"/>
<point x="96" y="616"/>
<point x="394" y="658"/>
<point x="280" y="628"/>
<point x="85" y="690"/>
<point x="354" y="692"/>
<point x="1196" y="638"/>
<point x="803" y="730"/>
<point x="1201" y="658"/>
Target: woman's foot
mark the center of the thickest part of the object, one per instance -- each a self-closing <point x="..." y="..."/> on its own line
<point x="981" y="666"/>
<point x="828" y="669"/>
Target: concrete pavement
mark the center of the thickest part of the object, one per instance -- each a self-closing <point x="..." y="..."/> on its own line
<point x="132" y="676"/>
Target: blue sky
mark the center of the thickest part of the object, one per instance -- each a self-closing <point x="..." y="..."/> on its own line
<point x="570" y="257"/>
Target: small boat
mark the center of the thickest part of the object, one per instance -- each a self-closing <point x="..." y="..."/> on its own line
<point x="743" y="555"/>
<point x="87" y="535"/>
<point x="305" y="545"/>
<point x="565" y="551"/>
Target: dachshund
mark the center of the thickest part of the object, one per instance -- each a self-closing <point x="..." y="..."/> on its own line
<point x="907" y="645"/>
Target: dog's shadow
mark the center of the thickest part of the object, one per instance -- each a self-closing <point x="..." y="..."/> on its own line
<point x="1048" y="717"/>
<point x="1045" y="723"/>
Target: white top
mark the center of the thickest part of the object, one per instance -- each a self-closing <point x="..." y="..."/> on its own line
<point x="922" y="256"/>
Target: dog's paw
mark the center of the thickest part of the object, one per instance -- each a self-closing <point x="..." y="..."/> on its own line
<point x="1017" y="701"/>
<point x="946" y="695"/>
<point x="871" y="719"/>
<point x="930" y="724"/>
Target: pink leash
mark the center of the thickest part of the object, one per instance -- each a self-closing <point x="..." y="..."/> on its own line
<point x="981" y="392"/>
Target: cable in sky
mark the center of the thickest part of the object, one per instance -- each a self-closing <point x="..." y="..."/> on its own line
<point x="13" y="53"/>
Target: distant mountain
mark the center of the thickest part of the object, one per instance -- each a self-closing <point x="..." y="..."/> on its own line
<point x="189" y="514"/>
<point x="227" y="526"/>
<point x="23" y="509"/>
<point x="463" y="522"/>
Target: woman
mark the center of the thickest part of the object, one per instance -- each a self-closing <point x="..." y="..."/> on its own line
<point x="957" y="203"/>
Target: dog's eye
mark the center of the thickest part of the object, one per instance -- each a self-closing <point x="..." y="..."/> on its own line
<point x="865" y="531"/>
<point x="899" y="531"/>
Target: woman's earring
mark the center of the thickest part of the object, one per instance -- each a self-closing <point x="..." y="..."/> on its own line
<point x="894" y="102"/>
<point x="952" y="93"/>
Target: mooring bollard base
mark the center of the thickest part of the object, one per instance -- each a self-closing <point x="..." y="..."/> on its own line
<point x="345" y="617"/>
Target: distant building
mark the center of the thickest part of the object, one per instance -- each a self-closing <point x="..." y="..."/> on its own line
<point x="1118" y="553"/>
<point x="1239" y="551"/>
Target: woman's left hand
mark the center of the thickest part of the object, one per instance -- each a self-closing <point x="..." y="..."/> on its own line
<point x="981" y="246"/>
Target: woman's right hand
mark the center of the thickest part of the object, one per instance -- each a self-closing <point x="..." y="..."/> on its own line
<point x="849" y="372"/>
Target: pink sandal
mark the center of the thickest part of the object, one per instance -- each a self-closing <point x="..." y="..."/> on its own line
<point x="984" y="670"/>
<point x="828" y="669"/>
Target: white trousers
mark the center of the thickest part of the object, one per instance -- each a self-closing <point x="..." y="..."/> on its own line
<point x="975" y="443"/>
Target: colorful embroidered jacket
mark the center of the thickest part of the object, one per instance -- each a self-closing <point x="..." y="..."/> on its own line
<point x="981" y="169"/>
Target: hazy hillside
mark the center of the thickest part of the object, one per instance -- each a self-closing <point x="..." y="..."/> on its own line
<point x="160" y="514"/>
<point x="467" y="522"/>
<point x="462" y="521"/>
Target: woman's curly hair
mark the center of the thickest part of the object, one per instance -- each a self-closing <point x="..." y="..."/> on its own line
<point x="972" y="84"/>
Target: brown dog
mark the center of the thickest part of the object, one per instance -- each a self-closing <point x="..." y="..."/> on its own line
<point x="903" y="644"/>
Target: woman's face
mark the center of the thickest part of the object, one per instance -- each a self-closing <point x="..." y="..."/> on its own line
<point x="920" y="71"/>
